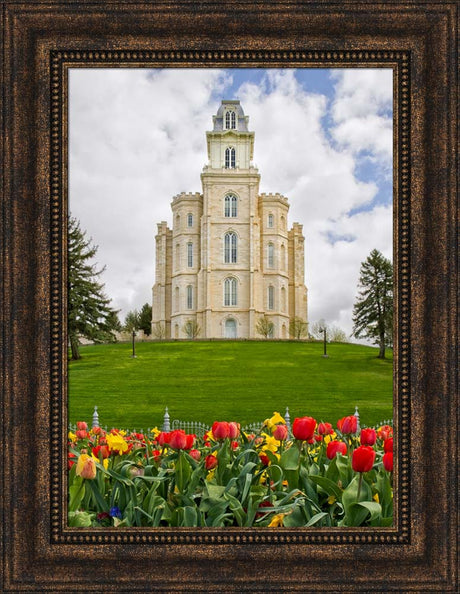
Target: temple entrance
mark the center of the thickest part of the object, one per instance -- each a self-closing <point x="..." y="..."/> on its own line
<point x="230" y="328"/>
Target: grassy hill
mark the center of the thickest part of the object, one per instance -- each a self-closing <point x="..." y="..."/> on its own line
<point x="228" y="380"/>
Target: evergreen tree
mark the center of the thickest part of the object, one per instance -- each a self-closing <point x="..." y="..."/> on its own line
<point x="89" y="311"/>
<point x="145" y="319"/>
<point x="131" y="321"/>
<point x="373" y="309"/>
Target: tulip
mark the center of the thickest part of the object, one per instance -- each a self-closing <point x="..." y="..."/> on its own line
<point x="178" y="439"/>
<point x="235" y="445"/>
<point x="81" y="433"/>
<point x="103" y="449"/>
<point x="86" y="467"/>
<point x="280" y="433"/>
<point x="163" y="438"/>
<point x="210" y="462"/>
<point x="388" y="461"/>
<point x="335" y="446"/>
<point x="388" y="445"/>
<point x="303" y="428"/>
<point x="325" y="429"/>
<point x="385" y="432"/>
<point x="234" y="430"/>
<point x="368" y="437"/>
<point x="363" y="459"/>
<point x="220" y="430"/>
<point x="70" y="460"/>
<point x="264" y="459"/>
<point x="348" y="424"/>
<point x="190" y="440"/>
<point x="82" y="426"/>
<point x="195" y="454"/>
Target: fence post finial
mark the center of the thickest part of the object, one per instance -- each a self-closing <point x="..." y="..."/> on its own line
<point x="357" y="418"/>
<point x="166" y="426"/>
<point x="95" y="418"/>
<point x="287" y="418"/>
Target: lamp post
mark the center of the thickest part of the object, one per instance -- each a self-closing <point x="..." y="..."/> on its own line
<point x="134" y="347"/>
<point x="323" y="329"/>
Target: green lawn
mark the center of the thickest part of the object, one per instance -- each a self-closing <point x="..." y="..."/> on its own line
<point x="228" y="380"/>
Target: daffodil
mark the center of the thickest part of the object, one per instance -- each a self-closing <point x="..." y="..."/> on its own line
<point x="274" y="420"/>
<point x="376" y="498"/>
<point x="271" y="443"/>
<point x="72" y="436"/>
<point x="277" y="521"/>
<point x="105" y="461"/>
<point x="117" y="443"/>
<point x="331" y="499"/>
<point x="155" y="432"/>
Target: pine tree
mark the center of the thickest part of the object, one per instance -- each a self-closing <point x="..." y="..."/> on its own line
<point x="373" y="309"/>
<point x="145" y="319"/>
<point x="131" y="321"/>
<point x="89" y="311"/>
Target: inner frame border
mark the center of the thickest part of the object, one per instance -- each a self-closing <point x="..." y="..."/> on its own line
<point x="60" y="62"/>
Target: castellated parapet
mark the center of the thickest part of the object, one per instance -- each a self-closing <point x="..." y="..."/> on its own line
<point x="229" y="258"/>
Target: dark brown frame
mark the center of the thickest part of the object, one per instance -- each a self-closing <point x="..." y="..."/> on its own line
<point x="40" y="40"/>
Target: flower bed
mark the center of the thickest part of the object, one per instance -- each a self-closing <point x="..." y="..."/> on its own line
<point x="320" y="477"/>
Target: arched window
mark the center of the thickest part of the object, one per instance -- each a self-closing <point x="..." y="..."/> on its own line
<point x="177" y="221"/>
<point x="283" y="331"/>
<point x="230" y="158"/>
<point x="270" y="220"/>
<point x="283" y="299"/>
<point x="230" y="295"/>
<point x="176" y="331"/>
<point x="230" y="328"/>
<point x="230" y="252"/>
<point x="271" y="255"/>
<point x="282" y="222"/>
<point x="189" y="297"/>
<point x="190" y="255"/>
<point x="189" y="220"/>
<point x="230" y="120"/>
<point x="231" y="205"/>
<point x="176" y="299"/>
<point x="177" y="256"/>
<point x="283" y="257"/>
<point x="271" y="297"/>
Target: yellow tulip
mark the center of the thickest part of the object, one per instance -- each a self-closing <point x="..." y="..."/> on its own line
<point x="86" y="467"/>
<point x="277" y="521"/>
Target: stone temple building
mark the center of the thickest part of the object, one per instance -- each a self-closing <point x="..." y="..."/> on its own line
<point x="229" y="258"/>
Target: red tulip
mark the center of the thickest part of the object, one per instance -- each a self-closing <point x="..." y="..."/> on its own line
<point x="368" y="437"/>
<point x="70" y="461"/>
<point x="325" y="429"/>
<point x="234" y="430"/>
<point x="335" y="446"/>
<point x="348" y="424"/>
<point x="190" y="440"/>
<point x="235" y="445"/>
<point x="388" y="445"/>
<point x="388" y="461"/>
<point x="264" y="459"/>
<point x="363" y="459"/>
<point x="210" y="462"/>
<point x="81" y="433"/>
<point x="103" y="449"/>
<point x="178" y="439"/>
<point x="195" y="454"/>
<point x="220" y="430"/>
<point x="163" y="438"/>
<point x="280" y="433"/>
<point x="82" y="426"/>
<point x="303" y="428"/>
<point x="385" y="432"/>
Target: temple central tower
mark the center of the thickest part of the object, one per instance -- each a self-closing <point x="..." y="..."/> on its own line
<point x="229" y="258"/>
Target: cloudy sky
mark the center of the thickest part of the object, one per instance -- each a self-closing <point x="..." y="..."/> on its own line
<point x="323" y="138"/>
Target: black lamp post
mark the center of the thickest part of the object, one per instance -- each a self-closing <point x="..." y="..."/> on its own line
<point x="134" y="347"/>
<point x="323" y="329"/>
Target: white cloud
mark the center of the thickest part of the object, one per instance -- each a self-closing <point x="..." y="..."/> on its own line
<point x="138" y="138"/>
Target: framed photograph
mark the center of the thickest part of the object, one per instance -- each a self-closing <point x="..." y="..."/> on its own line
<point x="46" y="48"/>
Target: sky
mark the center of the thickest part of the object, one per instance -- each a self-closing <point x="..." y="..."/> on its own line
<point x="323" y="139"/>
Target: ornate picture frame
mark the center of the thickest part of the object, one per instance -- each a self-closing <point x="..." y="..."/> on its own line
<point x="41" y="41"/>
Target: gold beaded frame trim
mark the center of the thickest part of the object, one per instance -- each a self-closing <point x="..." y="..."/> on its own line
<point x="60" y="62"/>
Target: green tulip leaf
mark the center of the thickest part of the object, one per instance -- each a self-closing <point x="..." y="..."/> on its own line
<point x="328" y="486"/>
<point x="316" y="518"/>
<point x="183" y="472"/>
<point x="290" y="459"/>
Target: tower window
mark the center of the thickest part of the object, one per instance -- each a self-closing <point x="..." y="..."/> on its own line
<point x="189" y="220"/>
<point x="270" y="220"/>
<point x="230" y="158"/>
<point x="190" y="255"/>
<point x="230" y="120"/>
<point x="271" y="255"/>
<point x="189" y="297"/>
<point x="271" y="297"/>
<point x="230" y="251"/>
<point x="230" y="297"/>
<point x="231" y="202"/>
